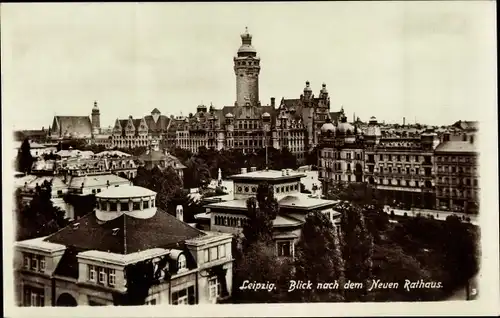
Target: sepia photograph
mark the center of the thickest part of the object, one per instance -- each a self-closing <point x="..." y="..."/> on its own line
<point x="313" y="155"/>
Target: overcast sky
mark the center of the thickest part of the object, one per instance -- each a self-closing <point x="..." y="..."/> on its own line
<point x="429" y="61"/>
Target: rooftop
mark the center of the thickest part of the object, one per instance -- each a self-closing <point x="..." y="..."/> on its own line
<point x="457" y="146"/>
<point x="268" y="175"/>
<point x="125" y="191"/>
<point x="125" y="234"/>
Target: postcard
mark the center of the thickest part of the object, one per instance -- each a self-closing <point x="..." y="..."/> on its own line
<point x="250" y="159"/>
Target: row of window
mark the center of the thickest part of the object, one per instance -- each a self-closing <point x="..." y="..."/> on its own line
<point x="117" y="134"/>
<point x="453" y="169"/>
<point x="214" y="253"/>
<point x="455" y="159"/>
<point x="230" y="221"/>
<point x="456" y="193"/>
<point x="247" y="63"/>
<point x="104" y="205"/>
<point x="102" y="275"/>
<point x="456" y="181"/>
<point x="405" y="183"/>
<point x="34" y="262"/>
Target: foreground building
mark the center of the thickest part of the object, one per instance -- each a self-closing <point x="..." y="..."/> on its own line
<point x="87" y="262"/>
<point x="228" y="213"/>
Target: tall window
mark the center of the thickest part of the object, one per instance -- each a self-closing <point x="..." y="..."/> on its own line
<point x="181" y="262"/>
<point x="206" y="255"/>
<point x="92" y="273"/>
<point x="33" y="297"/>
<point x="284" y="248"/>
<point x="111" y="277"/>
<point x="213" y="253"/>
<point x="214" y="288"/>
<point x="102" y="276"/>
<point x="184" y="297"/>
<point x="222" y="251"/>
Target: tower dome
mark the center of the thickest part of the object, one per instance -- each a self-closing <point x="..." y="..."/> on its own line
<point x="95" y="109"/>
<point x="327" y="126"/>
<point x="308" y="87"/>
<point x="246" y="47"/>
<point x="323" y="89"/>
<point x="134" y="201"/>
<point x="344" y="128"/>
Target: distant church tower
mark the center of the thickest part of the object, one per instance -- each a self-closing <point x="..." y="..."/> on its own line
<point x="247" y="69"/>
<point x="96" y="119"/>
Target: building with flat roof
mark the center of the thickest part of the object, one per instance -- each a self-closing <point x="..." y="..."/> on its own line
<point x="457" y="186"/>
<point x="227" y="213"/>
<point x="89" y="261"/>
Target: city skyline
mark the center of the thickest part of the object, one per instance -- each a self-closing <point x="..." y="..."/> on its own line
<point x="429" y="62"/>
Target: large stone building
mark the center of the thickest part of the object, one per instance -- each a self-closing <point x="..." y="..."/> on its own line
<point x="405" y="169"/>
<point x="247" y="125"/>
<point x="457" y="186"/>
<point x="228" y="213"/>
<point x="90" y="261"/>
<point x="140" y="132"/>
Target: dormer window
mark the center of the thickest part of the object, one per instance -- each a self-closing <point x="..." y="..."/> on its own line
<point x="181" y="262"/>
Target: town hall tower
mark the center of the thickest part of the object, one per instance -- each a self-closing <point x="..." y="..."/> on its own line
<point x="247" y="69"/>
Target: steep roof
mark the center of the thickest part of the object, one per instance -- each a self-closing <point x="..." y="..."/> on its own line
<point x="133" y="235"/>
<point x="79" y="125"/>
<point x="456" y="146"/>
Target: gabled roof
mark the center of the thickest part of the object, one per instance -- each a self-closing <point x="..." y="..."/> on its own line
<point x="132" y="235"/>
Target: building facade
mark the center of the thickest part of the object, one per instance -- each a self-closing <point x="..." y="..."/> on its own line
<point x="457" y="185"/>
<point x="249" y="126"/>
<point x="228" y="213"/>
<point x="141" y="132"/>
<point x="406" y="170"/>
<point x="89" y="261"/>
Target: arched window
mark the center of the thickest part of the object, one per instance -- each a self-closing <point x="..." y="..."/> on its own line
<point x="181" y="262"/>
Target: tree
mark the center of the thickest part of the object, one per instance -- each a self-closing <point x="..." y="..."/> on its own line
<point x="82" y="204"/>
<point x="24" y="157"/>
<point x="318" y="258"/>
<point x="165" y="183"/>
<point x="262" y="210"/>
<point x="40" y="217"/>
<point x="357" y="248"/>
<point x="259" y="263"/>
<point x="461" y="252"/>
<point x="197" y="173"/>
<point x="392" y="264"/>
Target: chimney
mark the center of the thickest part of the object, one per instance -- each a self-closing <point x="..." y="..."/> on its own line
<point x="179" y="213"/>
<point x="404" y="120"/>
<point x="243" y="170"/>
<point x="273" y="101"/>
<point x="253" y="169"/>
<point x="283" y="172"/>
